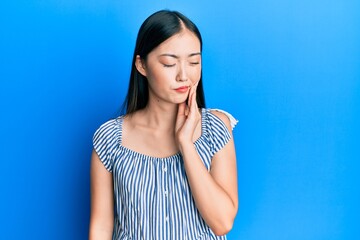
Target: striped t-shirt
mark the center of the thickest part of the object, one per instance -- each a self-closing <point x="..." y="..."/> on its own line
<point x="152" y="195"/>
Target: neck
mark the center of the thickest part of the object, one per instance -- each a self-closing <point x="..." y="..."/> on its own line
<point x="160" y="115"/>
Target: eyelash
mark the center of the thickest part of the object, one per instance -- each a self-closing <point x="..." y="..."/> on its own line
<point x="172" y="65"/>
<point x="167" y="65"/>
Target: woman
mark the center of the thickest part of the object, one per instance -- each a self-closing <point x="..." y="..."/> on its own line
<point x="168" y="165"/>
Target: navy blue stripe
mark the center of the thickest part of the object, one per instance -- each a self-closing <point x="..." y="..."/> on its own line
<point x="152" y="195"/>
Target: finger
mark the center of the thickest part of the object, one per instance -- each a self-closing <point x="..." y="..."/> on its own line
<point x="196" y="84"/>
<point x="181" y="109"/>
<point x="190" y="95"/>
<point x="194" y="98"/>
<point x="195" y="94"/>
<point x="187" y="110"/>
<point x="180" y="118"/>
<point x="194" y="87"/>
<point x="193" y="104"/>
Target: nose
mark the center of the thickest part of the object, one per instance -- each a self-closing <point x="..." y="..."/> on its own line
<point x="182" y="75"/>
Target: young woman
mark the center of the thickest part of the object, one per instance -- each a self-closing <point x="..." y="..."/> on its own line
<point x="168" y="165"/>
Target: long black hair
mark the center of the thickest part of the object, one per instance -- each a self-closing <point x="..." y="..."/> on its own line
<point x="156" y="29"/>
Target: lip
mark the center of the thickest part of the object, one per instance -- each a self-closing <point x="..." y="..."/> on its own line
<point x="182" y="89"/>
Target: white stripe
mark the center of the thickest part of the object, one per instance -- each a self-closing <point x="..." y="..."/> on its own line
<point x="151" y="202"/>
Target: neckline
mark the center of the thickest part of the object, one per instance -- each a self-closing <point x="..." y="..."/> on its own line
<point x="170" y="157"/>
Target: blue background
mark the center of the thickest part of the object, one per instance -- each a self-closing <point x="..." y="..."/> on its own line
<point x="288" y="70"/>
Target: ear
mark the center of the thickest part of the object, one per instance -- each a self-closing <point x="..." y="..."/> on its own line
<point x="140" y="65"/>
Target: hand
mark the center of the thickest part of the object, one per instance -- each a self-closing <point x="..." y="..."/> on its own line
<point x="187" y="119"/>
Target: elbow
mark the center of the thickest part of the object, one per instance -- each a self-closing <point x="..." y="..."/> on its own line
<point x="223" y="228"/>
<point x="100" y="230"/>
<point x="224" y="225"/>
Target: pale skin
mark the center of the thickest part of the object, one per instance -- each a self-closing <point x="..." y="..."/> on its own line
<point x="172" y="120"/>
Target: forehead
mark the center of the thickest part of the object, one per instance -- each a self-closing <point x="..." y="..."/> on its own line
<point x="182" y="43"/>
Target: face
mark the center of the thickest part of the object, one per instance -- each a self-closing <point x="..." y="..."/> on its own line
<point x="172" y="68"/>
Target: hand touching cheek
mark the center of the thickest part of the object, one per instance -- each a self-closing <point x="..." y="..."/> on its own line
<point x="188" y="118"/>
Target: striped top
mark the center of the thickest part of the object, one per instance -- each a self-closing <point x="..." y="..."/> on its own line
<point x="152" y="195"/>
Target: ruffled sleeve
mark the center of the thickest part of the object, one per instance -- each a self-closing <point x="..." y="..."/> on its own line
<point x="106" y="141"/>
<point x="218" y="132"/>
<point x="233" y="121"/>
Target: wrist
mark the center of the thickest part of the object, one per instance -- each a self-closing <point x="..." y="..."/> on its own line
<point x="184" y="146"/>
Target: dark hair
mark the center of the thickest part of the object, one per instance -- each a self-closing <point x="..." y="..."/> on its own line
<point x="156" y="29"/>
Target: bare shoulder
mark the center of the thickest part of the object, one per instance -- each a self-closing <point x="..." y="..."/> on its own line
<point x="223" y="117"/>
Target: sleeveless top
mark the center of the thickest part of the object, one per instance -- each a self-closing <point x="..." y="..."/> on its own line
<point x="152" y="196"/>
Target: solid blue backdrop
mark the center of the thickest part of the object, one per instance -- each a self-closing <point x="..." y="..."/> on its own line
<point x="288" y="70"/>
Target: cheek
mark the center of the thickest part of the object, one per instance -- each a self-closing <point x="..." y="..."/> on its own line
<point x="161" y="77"/>
<point x="152" y="72"/>
<point x="195" y="74"/>
<point x="158" y="78"/>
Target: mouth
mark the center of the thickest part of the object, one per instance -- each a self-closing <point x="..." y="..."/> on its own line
<point x="182" y="89"/>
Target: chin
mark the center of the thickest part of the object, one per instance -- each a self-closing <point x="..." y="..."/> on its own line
<point x="180" y="100"/>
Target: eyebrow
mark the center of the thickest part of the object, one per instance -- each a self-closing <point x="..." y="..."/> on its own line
<point x="175" y="56"/>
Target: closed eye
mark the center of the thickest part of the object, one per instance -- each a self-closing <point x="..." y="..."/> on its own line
<point x="169" y="65"/>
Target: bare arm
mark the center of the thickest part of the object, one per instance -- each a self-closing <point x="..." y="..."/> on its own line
<point x="102" y="201"/>
<point x="214" y="192"/>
